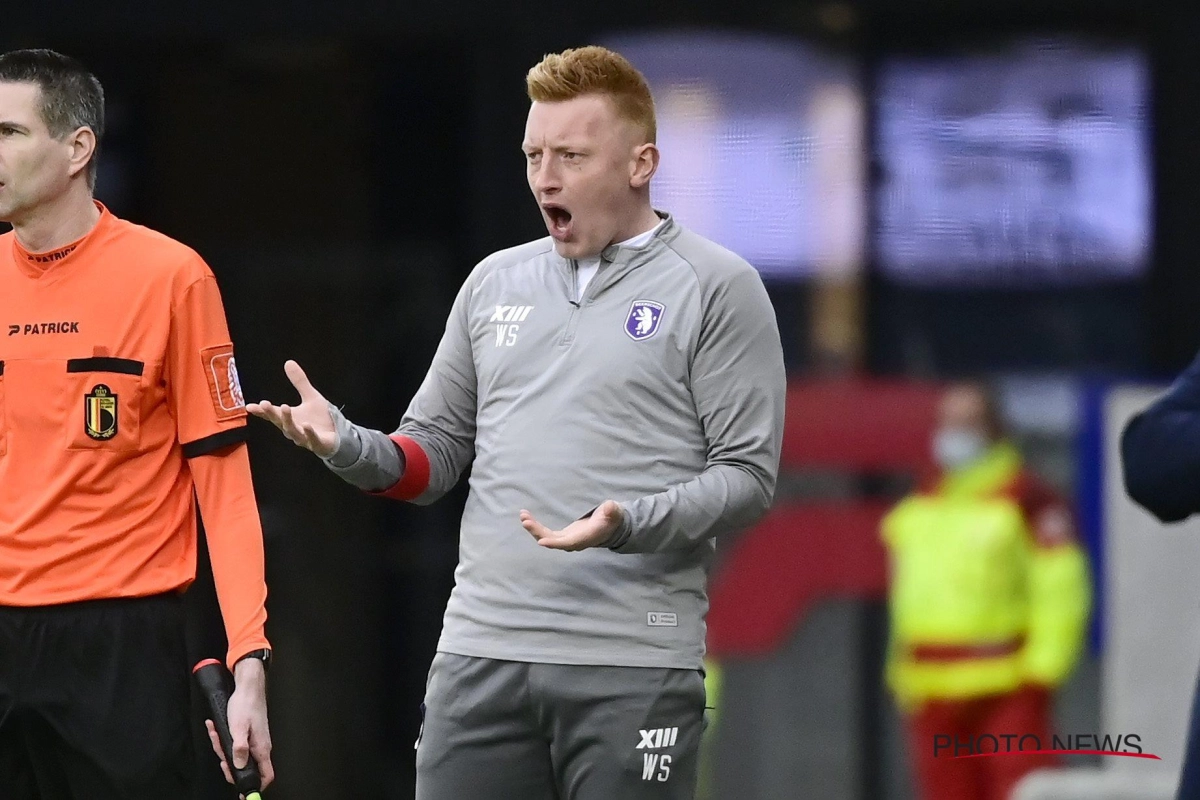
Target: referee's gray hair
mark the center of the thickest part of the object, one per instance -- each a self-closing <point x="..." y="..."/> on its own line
<point x="72" y="97"/>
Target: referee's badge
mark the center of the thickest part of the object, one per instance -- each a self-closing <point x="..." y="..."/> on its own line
<point x="224" y="386"/>
<point x="100" y="413"/>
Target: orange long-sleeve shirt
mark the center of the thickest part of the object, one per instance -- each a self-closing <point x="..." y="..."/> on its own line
<point x="118" y="397"/>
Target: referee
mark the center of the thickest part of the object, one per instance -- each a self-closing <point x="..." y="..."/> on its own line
<point x="119" y="405"/>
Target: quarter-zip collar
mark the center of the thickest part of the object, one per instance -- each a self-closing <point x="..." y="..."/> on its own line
<point x="618" y="260"/>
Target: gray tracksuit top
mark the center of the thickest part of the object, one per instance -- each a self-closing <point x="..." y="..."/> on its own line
<point x="662" y="388"/>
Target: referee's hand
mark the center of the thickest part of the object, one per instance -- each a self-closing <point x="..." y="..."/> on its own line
<point x="247" y="712"/>
<point x="309" y="424"/>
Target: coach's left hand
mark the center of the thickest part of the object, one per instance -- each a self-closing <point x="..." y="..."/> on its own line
<point x="247" y="721"/>
<point x="591" y="531"/>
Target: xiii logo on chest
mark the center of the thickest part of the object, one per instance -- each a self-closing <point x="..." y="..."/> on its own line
<point x="506" y="319"/>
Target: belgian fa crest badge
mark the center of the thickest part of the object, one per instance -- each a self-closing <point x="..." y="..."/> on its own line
<point x="100" y="413"/>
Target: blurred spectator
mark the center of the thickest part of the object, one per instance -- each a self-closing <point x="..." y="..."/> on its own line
<point x="1160" y="460"/>
<point x="1160" y="451"/>
<point x="989" y="599"/>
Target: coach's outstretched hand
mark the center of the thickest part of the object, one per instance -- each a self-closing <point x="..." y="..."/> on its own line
<point x="309" y="424"/>
<point x="591" y="531"/>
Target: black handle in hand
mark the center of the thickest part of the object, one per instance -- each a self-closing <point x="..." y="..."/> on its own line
<point x="214" y="681"/>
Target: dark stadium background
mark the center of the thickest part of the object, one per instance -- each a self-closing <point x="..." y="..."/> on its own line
<point x="343" y="165"/>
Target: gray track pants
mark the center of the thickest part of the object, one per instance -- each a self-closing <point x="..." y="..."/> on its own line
<point x="506" y="730"/>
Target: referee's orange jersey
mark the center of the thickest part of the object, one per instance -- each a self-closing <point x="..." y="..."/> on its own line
<point x="119" y="397"/>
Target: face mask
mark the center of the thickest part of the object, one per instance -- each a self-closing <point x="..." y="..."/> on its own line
<point x="955" y="448"/>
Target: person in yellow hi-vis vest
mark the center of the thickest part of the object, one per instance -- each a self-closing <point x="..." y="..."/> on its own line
<point x="989" y="600"/>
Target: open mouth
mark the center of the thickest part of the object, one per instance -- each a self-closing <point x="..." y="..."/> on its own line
<point x="558" y="220"/>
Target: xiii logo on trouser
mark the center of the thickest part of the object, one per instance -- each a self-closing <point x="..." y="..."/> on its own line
<point x="496" y="730"/>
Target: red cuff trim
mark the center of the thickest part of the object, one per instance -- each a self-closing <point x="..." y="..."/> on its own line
<point x="416" y="471"/>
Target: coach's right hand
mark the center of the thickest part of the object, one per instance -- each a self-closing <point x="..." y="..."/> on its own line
<point x="309" y="424"/>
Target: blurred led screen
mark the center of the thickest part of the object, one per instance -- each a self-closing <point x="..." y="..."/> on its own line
<point x="762" y="146"/>
<point x="1018" y="166"/>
